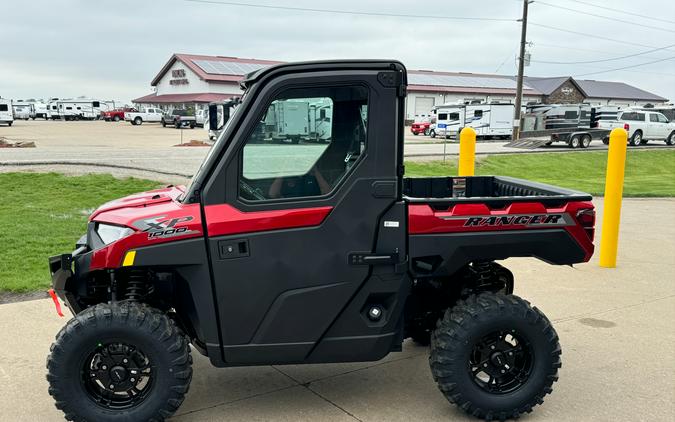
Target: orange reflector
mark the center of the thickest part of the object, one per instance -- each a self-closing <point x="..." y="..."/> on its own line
<point x="55" y="298"/>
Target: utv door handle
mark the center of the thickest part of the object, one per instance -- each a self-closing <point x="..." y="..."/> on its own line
<point x="236" y="248"/>
<point x="367" y="258"/>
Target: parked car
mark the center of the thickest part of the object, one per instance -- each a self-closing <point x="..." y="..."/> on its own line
<point x="154" y="115"/>
<point x="420" y="127"/>
<point x="642" y="126"/>
<point x="117" y="114"/>
<point x="179" y="118"/>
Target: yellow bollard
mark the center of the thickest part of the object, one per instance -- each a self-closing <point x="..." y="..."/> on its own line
<point x="467" y="151"/>
<point x="611" y="216"/>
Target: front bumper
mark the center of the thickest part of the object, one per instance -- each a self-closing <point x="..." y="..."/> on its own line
<point x="65" y="268"/>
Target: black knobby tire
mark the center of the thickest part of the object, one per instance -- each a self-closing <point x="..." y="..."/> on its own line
<point x="78" y="350"/>
<point x="457" y="346"/>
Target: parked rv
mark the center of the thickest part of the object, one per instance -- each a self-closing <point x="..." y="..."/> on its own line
<point x="574" y="124"/>
<point x="79" y="108"/>
<point x="6" y="112"/>
<point x="23" y="110"/>
<point x="287" y="120"/>
<point x="488" y="120"/>
<point x="39" y="110"/>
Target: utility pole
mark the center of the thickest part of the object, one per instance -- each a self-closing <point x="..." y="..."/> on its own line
<point x="521" y="70"/>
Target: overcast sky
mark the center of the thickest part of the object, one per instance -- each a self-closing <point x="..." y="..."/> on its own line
<point x="112" y="49"/>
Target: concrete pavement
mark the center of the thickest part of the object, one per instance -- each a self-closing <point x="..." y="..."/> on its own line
<point x="615" y="328"/>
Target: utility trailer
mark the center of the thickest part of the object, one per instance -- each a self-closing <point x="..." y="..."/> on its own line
<point x="488" y="120"/>
<point x="293" y="254"/>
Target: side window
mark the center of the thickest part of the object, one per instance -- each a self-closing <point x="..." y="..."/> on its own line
<point x="3" y="107"/>
<point x="571" y="114"/>
<point x="640" y="117"/>
<point x="653" y="118"/>
<point x="442" y="116"/>
<point x="478" y="114"/>
<point x="662" y="118"/>
<point x="305" y="143"/>
<point x="96" y="104"/>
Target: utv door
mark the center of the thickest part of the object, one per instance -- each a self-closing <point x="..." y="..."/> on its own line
<point x="293" y="225"/>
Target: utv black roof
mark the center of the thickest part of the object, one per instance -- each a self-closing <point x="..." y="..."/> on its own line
<point x="255" y="76"/>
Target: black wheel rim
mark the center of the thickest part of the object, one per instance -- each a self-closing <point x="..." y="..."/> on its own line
<point x="501" y="362"/>
<point x="117" y="376"/>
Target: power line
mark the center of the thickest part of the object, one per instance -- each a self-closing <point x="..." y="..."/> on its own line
<point x="348" y="12"/>
<point x="606" y="60"/>
<point x="601" y="16"/>
<point x="626" y="67"/>
<point x="555" y="28"/>
<point x="633" y="14"/>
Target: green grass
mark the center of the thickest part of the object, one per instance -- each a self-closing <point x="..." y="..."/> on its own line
<point x="648" y="173"/>
<point x="43" y="215"/>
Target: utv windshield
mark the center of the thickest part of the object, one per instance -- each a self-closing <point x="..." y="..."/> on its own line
<point x="214" y="147"/>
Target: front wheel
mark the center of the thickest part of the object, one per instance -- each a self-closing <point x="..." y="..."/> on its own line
<point x="116" y="118"/>
<point x="119" y="360"/>
<point x="671" y="139"/>
<point x="585" y="141"/>
<point x="494" y="356"/>
<point x="138" y="121"/>
<point x="432" y="133"/>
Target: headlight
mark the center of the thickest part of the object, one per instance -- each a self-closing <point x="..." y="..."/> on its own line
<point x="109" y="233"/>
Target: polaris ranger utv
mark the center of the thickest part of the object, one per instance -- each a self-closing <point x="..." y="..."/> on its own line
<point x="307" y="253"/>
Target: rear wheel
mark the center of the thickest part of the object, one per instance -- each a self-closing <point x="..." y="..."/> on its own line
<point x="119" y="360"/>
<point x="605" y="140"/>
<point x="432" y="133"/>
<point x="636" y="139"/>
<point x="574" y="142"/>
<point x="585" y="141"/>
<point x="426" y="132"/>
<point x="494" y="356"/>
<point x="138" y="121"/>
<point x="116" y="118"/>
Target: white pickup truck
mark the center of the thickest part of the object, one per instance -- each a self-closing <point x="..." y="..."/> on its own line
<point x="642" y="126"/>
<point x="153" y="115"/>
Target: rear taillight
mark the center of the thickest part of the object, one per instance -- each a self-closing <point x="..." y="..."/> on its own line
<point x="586" y="218"/>
<point x="626" y="126"/>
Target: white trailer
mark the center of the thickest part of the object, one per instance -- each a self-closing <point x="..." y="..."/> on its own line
<point x="6" y="112"/>
<point x="288" y="120"/>
<point x="23" y="110"/>
<point x="39" y="110"/>
<point x="488" y="120"/>
<point x="80" y="108"/>
<point x="320" y="116"/>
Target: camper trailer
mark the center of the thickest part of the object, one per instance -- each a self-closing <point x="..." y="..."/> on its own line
<point x="83" y="109"/>
<point x="287" y="120"/>
<point x="79" y="108"/>
<point x="6" y="112"/>
<point x="488" y="120"/>
<point x="23" y="110"/>
<point x="573" y="124"/>
<point x="320" y="116"/>
<point x="39" y="110"/>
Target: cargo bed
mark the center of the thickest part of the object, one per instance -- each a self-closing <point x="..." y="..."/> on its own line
<point x="494" y="191"/>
